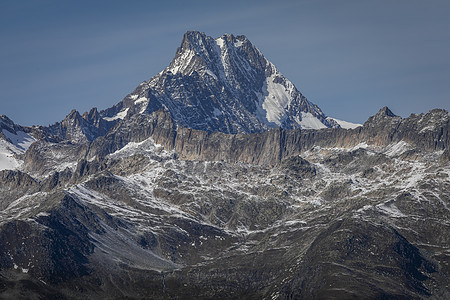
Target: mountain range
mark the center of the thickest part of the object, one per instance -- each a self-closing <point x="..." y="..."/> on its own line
<point x="217" y="178"/>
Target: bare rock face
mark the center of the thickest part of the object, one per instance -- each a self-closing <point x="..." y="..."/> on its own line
<point x="138" y="128"/>
<point x="80" y="129"/>
<point x="14" y="185"/>
<point x="7" y="124"/>
<point x="272" y="146"/>
<point x="42" y="158"/>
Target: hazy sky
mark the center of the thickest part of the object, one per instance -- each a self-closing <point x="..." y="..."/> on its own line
<point x="350" y="57"/>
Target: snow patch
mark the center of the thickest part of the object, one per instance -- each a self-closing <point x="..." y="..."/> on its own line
<point x="8" y="161"/>
<point x="397" y="148"/>
<point x="238" y="43"/>
<point x="43" y="214"/>
<point x="345" y="124"/>
<point x="362" y="145"/>
<point x="220" y="42"/>
<point x="274" y="102"/>
<point x="427" y="128"/>
<point x="141" y="100"/>
<point x="181" y="62"/>
<point x="120" y="115"/>
<point x="309" y="121"/>
<point x="391" y="210"/>
<point x="21" y="139"/>
<point x="147" y="146"/>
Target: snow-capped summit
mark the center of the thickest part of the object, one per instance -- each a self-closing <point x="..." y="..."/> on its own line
<point x="223" y="84"/>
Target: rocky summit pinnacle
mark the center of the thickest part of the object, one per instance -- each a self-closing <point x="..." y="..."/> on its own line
<point x="223" y="84"/>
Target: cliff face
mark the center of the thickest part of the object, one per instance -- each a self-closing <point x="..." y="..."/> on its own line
<point x="420" y="134"/>
<point x="425" y="132"/>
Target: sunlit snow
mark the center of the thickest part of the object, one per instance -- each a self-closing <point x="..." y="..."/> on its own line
<point x="7" y="160"/>
<point x="275" y="102"/>
<point x="21" y="139"/>
<point x="140" y="100"/>
<point x="120" y="115"/>
<point x="345" y="124"/>
<point x="8" y="151"/>
<point x="309" y="121"/>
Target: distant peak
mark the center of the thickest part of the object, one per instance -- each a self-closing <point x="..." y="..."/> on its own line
<point x="194" y="34"/>
<point x="224" y="84"/>
<point x="91" y="115"/>
<point x="386" y="112"/>
<point x="382" y="115"/>
<point x="196" y="40"/>
<point x="6" y="123"/>
<point x="73" y="114"/>
<point x="228" y="36"/>
<point x="5" y="119"/>
<point x="192" y="38"/>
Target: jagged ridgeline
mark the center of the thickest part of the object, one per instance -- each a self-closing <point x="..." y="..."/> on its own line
<point x="224" y="85"/>
<point x="218" y="179"/>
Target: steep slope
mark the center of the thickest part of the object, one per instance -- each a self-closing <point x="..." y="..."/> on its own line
<point x="418" y="134"/>
<point x="14" y="141"/>
<point x="225" y="85"/>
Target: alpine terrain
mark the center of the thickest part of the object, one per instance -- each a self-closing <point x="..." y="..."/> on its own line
<point x="218" y="179"/>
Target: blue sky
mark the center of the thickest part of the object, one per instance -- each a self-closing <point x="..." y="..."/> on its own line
<point x="350" y="57"/>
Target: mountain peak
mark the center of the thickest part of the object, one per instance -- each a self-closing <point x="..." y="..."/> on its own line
<point x="74" y="114"/>
<point x="223" y="84"/>
<point x="192" y="38"/>
<point x="5" y="121"/>
<point x="235" y="40"/>
<point x="194" y="34"/>
<point x="8" y="124"/>
<point x="381" y="117"/>
<point x="385" y="112"/>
